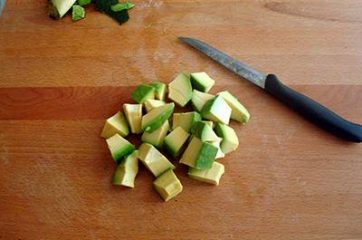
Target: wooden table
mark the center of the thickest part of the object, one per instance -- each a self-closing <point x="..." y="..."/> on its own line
<point x="288" y="180"/>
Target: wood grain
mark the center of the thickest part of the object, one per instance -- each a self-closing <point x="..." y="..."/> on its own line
<point x="289" y="180"/>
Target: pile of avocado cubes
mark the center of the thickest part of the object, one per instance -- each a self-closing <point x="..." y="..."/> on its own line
<point x="196" y="138"/>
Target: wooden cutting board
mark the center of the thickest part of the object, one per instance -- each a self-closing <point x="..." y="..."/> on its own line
<point x="60" y="80"/>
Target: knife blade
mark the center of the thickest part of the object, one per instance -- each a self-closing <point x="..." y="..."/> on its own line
<point x="307" y="107"/>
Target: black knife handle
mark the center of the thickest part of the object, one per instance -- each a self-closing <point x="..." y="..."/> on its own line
<point x="313" y="111"/>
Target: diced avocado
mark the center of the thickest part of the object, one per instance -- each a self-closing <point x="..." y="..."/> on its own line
<point x="153" y="159"/>
<point x="201" y="81"/>
<point x="210" y="123"/>
<point x="219" y="153"/>
<point x="204" y="132"/>
<point x="143" y="92"/>
<point x="84" y="2"/>
<point x="156" y="137"/>
<point x="78" y="12"/>
<point x="199" y="99"/>
<point x="156" y="117"/>
<point x="58" y="8"/>
<point x="133" y="114"/>
<point x="168" y="185"/>
<point x="160" y="90"/>
<point x="180" y="89"/>
<point x="152" y="103"/>
<point x="115" y="124"/>
<point x="185" y="120"/>
<point x="119" y="147"/>
<point x="216" y="110"/>
<point x="238" y="111"/>
<point x="126" y="171"/>
<point x="199" y="154"/>
<point x="211" y="175"/>
<point x="230" y="141"/>
<point x="175" y="141"/>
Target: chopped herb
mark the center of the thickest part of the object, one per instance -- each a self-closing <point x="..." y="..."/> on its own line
<point x="122" y="6"/>
<point x="78" y="12"/>
<point x="84" y="2"/>
<point x="106" y="7"/>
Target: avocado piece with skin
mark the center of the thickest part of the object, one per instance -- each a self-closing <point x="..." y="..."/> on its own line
<point x="217" y="110"/>
<point x="168" y="185"/>
<point x="153" y="103"/>
<point x="156" y="117"/>
<point x="180" y="89"/>
<point x="115" y="124"/>
<point x="143" y="92"/>
<point x="199" y="154"/>
<point x="219" y="153"/>
<point x="230" y="141"/>
<point x="133" y="114"/>
<point x="119" y="147"/>
<point x="238" y="111"/>
<point x="185" y="120"/>
<point x="175" y="141"/>
<point x="204" y="132"/>
<point x="199" y="99"/>
<point x="153" y="160"/>
<point x="211" y="175"/>
<point x="160" y="90"/>
<point x="126" y="171"/>
<point x="201" y="81"/>
<point x="157" y="137"/>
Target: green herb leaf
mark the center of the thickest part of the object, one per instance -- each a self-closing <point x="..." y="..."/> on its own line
<point x="84" y="2"/>
<point x="122" y="6"/>
<point x="78" y="12"/>
<point x="105" y="6"/>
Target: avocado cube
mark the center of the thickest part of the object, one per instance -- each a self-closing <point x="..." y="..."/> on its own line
<point x="126" y="171"/>
<point x="185" y="120"/>
<point x="156" y="117"/>
<point x="217" y="110"/>
<point x="204" y="132"/>
<point x="153" y="159"/>
<point x="199" y="154"/>
<point x="133" y="114"/>
<point x="175" y="141"/>
<point x="210" y="123"/>
<point x="211" y="175"/>
<point x="160" y="90"/>
<point x="119" y="147"/>
<point x="157" y="137"/>
<point x="143" y="92"/>
<point x="168" y="185"/>
<point x="115" y="124"/>
<point x="238" y="111"/>
<point x="58" y="8"/>
<point x="230" y="141"/>
<point x="199" y="99"/>
<point x="219" y="153"/>
<point x="152" y="103"/>
<point x="201" y="81"/>
<point x="180" y="89"/>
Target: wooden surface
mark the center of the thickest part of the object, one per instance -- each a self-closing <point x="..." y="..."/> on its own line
<point x="288" y="180"/>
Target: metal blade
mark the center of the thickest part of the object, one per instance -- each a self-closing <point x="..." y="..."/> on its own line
<point x="230" y="63"/>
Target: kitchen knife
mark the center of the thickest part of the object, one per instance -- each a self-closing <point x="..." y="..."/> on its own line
<point x="308" y="108"/>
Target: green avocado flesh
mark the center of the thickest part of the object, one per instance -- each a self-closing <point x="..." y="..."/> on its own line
<point x="217" y="110"/>
<point x="238" y="111"/>
<point x="153" y="103"/>
<point x="211" y="175"/>
<point x="126" y="171"/>
<point x="153" y="160"/>
<point x="133" y="114"/>
<point x="199" y="154"/>
<point x="119" y="147"/>
<point x="115" y="124"/>
<point x="180" y="89"/>
<point x="157" y="137"/>
<point x="156" y="117"/>
<point x="142" y="93"/>
<point x="204" y="132"/>
<point x="175" y="141"/>
<point x="160" y="90"/>
<point x="199" y="99"/>
<point x="185" y="120"/>
<point x="201" y="81"/>
<point x="230" y="141"/>
<point x="168" y="185"/>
